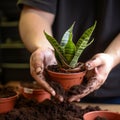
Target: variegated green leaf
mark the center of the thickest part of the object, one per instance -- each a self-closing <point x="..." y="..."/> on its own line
<point x="60" y="60"/>
<point x="82" y="44"/>
<point x="86" y="36"/>
<point x="68" y="45"/>
<point x="69" y="51"/>
<point x="67" y="35"/>
<point x="57" y="48"/>
<point x="66" y="53"/>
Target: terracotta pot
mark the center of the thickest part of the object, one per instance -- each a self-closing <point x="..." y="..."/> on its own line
<point x="7" y="104"/>
<point x="103" y="114"/>
<point x="38" y="94"/>
<point x="67" y="80"/>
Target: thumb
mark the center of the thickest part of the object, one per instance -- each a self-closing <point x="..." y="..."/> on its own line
<point x="94" y="62"/>
<point x="50" y="58"/>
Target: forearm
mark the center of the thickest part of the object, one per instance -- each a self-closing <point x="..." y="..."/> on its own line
<point x="114" y="50"/>
<point x="31" y="26"/>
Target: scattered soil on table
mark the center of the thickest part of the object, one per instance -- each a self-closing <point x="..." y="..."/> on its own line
<point x="26" y="109"/>
<point x="48" y="110"/>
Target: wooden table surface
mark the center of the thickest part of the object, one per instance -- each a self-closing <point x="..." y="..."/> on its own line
<point x="110" y="107"/>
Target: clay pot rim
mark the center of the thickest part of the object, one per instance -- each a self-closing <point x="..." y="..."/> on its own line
<point x="101" y="111"/>
<point x="29" y="84"/>
<point x="33" y="89"/>
<point x="60" y="73"/>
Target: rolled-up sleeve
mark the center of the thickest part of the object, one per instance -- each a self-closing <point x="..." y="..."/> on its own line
<point x="46" y="5"/>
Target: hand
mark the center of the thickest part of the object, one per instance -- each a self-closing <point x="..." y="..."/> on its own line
<point x="98" y="69"/>
<point x="39" y="60"/>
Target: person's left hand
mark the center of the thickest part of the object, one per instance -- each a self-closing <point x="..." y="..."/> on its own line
<point x="98" y="69"/>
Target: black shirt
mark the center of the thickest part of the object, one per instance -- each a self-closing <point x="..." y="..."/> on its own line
<point x="84" y="13"/>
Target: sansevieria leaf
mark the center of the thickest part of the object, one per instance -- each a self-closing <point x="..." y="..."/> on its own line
<point x="59" y="51"/>
<point x="67" y="53"/>
<point x="67" y="35"/>
<point x="82" y="44"/>
<point x="68" y="45"/>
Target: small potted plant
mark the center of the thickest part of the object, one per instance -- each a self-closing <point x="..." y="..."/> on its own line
<point x="31" y="90"/>
<point x="8" y="97"/>
<point x="68" y="71"/>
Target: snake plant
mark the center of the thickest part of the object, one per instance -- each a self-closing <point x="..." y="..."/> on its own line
<point x="67" y="53"/>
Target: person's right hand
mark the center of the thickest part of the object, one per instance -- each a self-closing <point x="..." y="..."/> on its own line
<point x="98" y="69"/>
<point x="39" y="60"/>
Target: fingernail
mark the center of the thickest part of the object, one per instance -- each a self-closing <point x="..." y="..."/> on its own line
<point x="38" y="70"/>
<point x="71" y="100"/>
<point x="78" y="100"/>
<point x="61" y="99"/>
<point x="53" y="93"/>
<point x="88" y="66"/>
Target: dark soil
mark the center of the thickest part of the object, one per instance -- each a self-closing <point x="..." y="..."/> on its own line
<point x="7" y="92"/>
<point x="100" y="118"/>
<point x="80" y="67"/>
<point x="48" y="110"/>
<point x="66" y="94"/>
<point x="58" y="88"/>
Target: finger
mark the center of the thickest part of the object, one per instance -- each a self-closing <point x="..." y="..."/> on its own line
<point x="76" y="98"/>
<point x="79" y="96"/>
<point x="37" y="62"/>
<point x="36" y="65"/>
<point x="38" y="70"/>
<point x="41" y="80"/>
<point x="50" y="59"/>
<point x="91" y="64"/>
<point x="59" y="97"/>
<point x="91" y="86"/>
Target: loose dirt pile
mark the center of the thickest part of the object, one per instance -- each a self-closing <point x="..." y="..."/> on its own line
<point x="48" y="110"/>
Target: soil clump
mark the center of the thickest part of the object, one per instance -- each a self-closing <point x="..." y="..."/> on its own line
<point x="48" y="110"/>
<point x="26" y="109"/>
<point x="7" y="92"/>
